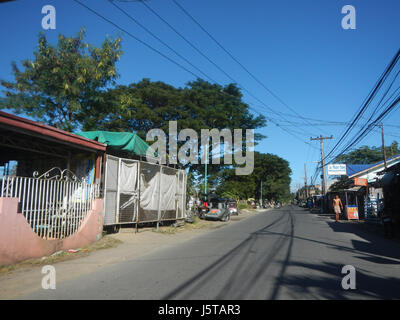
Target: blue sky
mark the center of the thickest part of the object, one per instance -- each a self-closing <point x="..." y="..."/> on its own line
<point x="296" y="48"/>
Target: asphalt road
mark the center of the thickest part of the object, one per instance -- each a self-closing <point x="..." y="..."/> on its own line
<point x="287" y="253"/>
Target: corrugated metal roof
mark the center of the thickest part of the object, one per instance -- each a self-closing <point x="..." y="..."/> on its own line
<point x="12" y="122"/>
<point x="353" y="169"/>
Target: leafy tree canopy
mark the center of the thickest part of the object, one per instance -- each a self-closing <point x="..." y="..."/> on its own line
<point x="273" y="171"/>
<point x="71" y="85"/>
<point x="62" y="83"/>
<point x="146" y="105"/>
<point x="368" y="155"/>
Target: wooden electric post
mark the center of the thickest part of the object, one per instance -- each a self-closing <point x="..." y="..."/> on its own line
<point x="383" y="145"/>
<point x="305" y="180"/>
<point x="321" y="140"/>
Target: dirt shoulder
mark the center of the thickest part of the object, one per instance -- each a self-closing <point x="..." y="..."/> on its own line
<point x="23" y="278"/>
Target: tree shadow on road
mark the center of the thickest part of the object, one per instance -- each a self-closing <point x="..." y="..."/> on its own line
<point x="374" y="244"/>
<point x="248" y="268"/>
<point x="328" y="284"/>
<point x="247" y="265"/>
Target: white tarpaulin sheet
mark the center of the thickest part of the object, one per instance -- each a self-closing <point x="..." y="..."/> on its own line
<point x="168" y="190"/>
<point x="125" y="202"/>
<point x="128" y="177"/>
<point x="149" y="195"/>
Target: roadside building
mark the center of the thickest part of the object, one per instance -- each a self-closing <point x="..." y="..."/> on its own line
<point x="390" y="183"/>
<point x="372" y="188"/>
<point x="59" y="189"/>
<point x="361" y="190"/>
<point x="50" y="196"/>
<point x="137" y="191"/>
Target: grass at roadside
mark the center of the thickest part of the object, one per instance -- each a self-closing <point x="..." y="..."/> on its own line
<point x="104" y="243"/>
<point x="242" y="206"/>
<point x="197" y="224"/>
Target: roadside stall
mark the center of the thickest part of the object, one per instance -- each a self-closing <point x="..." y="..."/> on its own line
<point x="351" y="202"/>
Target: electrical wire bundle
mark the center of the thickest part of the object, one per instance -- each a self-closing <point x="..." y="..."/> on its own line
<point x="383" y="98"/>
<point x="280" y="116"/>
<point x="385" y="94"/>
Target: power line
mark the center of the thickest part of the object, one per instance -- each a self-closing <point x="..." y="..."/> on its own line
<point x="207" y="58"/>
<point x="368" y="100"/>
<point x="173" y="61"/>
<point x="237" y="61"/>
<point x="198" y="50"/>
<point x="369" y="128"/>
<point x="371" y="125"/>
<point x="136" y="38"/>
<point x="160" y="40"/>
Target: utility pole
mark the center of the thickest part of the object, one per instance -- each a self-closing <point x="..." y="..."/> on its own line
<point x="383" y="145"/>
<point x="261" y="195"/>
<point x="305" y="180"/>
<point x="205" y="171"/>
<point x="321" y="140"/>
<point x="298" y="186"/>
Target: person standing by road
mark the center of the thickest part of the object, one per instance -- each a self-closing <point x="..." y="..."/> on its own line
<point x="337" y="205"/>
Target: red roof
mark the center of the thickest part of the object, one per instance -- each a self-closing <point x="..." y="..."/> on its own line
<point x="21" y="124"/>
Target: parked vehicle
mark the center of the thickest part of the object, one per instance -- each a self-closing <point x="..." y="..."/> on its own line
<point x="203" y="210"/>
<point x="232" y="206"/>
<point x="218" y="210"/>
<point x="266" y="205"/>
<point x="303" y="204"/>
<point x="204" y="205"/>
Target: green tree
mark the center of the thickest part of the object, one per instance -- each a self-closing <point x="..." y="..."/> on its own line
<point x="146" y="105"/>
<point x="272" y="170"/>
<point x="368" y="155"/>
<point x="62" y="85"/>
<point x="138" y="107"/>
<point x="275" y="173"/>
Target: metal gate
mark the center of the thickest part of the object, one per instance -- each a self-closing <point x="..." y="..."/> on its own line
<point x="120" y="190"/>
<point x="138" y="191"/>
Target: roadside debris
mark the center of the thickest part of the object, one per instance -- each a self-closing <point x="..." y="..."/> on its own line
<point x="189" y="220"/>
<point x="179" y="224"/>
<point x="73" y="250"/>
<point x="55" y="254"/>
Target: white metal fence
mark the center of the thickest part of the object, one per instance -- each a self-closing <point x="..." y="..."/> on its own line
<point x="54" y="208"/>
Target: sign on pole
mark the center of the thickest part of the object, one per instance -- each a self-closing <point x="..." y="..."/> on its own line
<point x="360" y="182"/>
<point x="337" y="170"/>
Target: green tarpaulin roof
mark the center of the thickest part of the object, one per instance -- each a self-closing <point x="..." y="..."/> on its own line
<point x="125" y="141"/>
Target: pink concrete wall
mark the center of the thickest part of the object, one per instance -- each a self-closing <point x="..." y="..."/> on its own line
<point x="19" y="242"/>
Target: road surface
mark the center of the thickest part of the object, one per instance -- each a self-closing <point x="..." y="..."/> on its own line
<point x="285" y="253"/>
